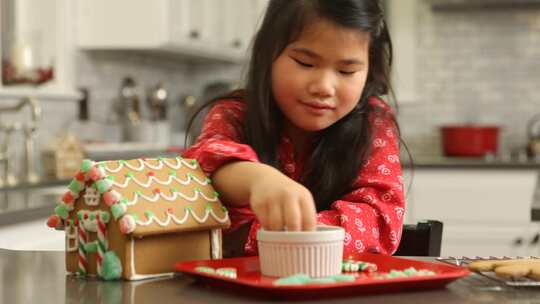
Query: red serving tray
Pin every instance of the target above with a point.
(249, 279)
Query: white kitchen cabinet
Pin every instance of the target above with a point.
(37, 34)
(211, 29)
(484, 211)
(402, 22)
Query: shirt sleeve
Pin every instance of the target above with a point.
(372, 214)
(220, 138)
(220, 143)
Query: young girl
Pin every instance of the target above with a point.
(309, 141)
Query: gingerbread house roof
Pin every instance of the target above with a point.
(149, 196)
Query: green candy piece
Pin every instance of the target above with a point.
(321, 281)
(297, 279)
(205, 269)
(343, 278)
(161, 158)
(105, 217)
(208, 180)
(172, 173)
(216, 195)
(75, 186)
(194, 162)
(122, 162)
(410, 271)
(117, 211)
(86, 165)
(129, 175)
(62, 211)
(198, 190)
(92, 216)
(173, 190)
(135, 216)
(149, 214)
(112, 268)
(90, 247)
(102, 186)
(124, 201)
(111, 178)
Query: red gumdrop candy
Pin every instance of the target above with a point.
(53, 221)
(67, 198)
(80, 177)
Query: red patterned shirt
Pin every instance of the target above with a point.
(371, 214)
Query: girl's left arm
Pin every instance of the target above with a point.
(372, 214)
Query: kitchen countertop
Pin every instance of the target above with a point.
(441, 162)
(21, 204)
(39, 277)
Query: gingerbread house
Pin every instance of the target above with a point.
(62, 157)
(135, 219)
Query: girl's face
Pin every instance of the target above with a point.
(319, 78)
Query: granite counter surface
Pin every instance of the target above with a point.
(39, 277)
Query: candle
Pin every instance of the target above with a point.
(22, 57)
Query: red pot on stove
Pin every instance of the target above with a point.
(470, 140)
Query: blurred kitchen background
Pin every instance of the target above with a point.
(110, 79)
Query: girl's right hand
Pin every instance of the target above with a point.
(281, 203)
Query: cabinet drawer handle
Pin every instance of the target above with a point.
(237, 43)
(194, 34)
(535, 239)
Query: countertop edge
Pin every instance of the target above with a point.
(24, 215)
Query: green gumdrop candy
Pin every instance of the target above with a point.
(86, 165)
(112, 268)
(117, 211)
(62, 211)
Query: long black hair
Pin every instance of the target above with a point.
(342, 148)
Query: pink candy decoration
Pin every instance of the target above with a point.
(127, 224)
(111, 197)
(95, 173)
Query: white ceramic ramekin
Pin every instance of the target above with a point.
(315, 253)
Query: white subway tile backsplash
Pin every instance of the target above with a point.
(480, 66)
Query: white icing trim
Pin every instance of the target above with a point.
(153, 179)
(172, 217)
(215, 243)
(144, 163)
(171, 198)
(134, 275)
(91, 225)
(72, 234)
(91, 196)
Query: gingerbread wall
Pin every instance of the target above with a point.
(159, 253)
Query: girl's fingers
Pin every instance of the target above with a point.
(309, 214)
(275, 216)
(292, 215)
(261, 211)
